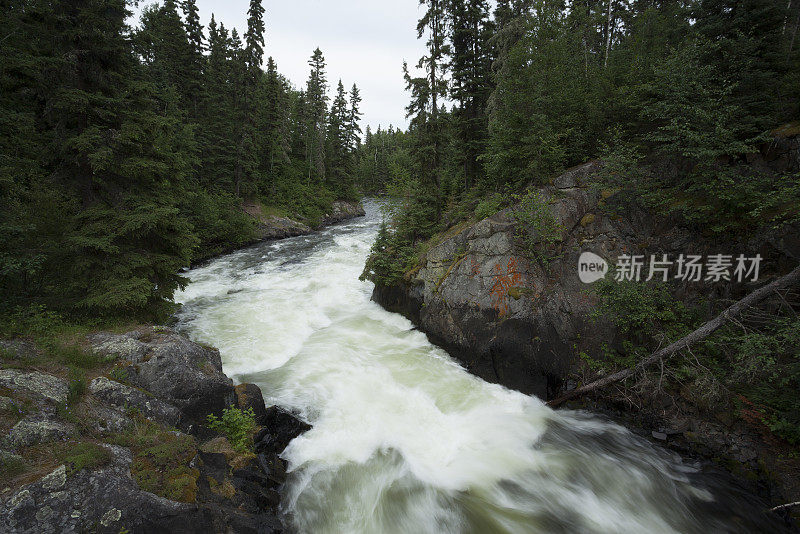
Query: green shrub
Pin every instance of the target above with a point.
(119, 374)
(537, 228)
(237, 425)
(489, 206)
(77, 386)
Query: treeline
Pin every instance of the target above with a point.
(672, 94)
(126, 153)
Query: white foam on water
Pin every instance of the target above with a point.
(404, 440)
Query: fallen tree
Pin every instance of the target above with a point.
(697, 335)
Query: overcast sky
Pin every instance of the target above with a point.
(364, 41)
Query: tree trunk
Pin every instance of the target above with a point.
(698, 335)
(608, 34)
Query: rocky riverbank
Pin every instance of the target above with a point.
(127, 447)
(280, 227)
(524, 319)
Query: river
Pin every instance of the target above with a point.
(404, 440)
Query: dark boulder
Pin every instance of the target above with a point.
(280, 427)
(173, 369)
(249, 396)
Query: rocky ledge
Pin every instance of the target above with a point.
(135, 454)
(277, 227)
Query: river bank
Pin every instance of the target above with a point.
(127, 446)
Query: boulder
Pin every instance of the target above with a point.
(124, 396)
(342, 210)
(249, 396)
(110, 419)
(33, 431)
(47, 386)
(173, 369)
(279, 428)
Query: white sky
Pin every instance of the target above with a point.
(363, 41)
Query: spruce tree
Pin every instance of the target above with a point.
(316, 100)
(353, 118)
(470, 68)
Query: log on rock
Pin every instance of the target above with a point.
(698, 335)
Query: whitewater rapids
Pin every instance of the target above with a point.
(404, 440)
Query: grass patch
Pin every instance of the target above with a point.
(161, 460)
(85, 455)
(10, 467)
(119, 374)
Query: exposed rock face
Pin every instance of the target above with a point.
(249, 396)
(31, 431)
(123, 396)
(277, 227)
(46, 386)
(517, 320)
(109, 501)
(173, 369)
(341, 210)
(280, 227)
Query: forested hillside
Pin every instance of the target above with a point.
(672, 95)
(620, 127)
(126, 152)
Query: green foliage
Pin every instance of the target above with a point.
(762, 364)
(536, 227)
(645, 314)
(120, 167)
(753, 364)
(119, 374)
(83, 455)
(161, 460)
(237, 425)
(11, 466)
(489, 206)
(389, 258)
(77, 386)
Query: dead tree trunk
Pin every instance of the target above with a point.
(698, 335)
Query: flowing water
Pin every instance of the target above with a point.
(404, 440)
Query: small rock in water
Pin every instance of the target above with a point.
(660, 435)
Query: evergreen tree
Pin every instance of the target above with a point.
(316, 100)
(336, 150)
(122, 151)
(194, 32)
(276, 126)
(470, 68)
(353, 118)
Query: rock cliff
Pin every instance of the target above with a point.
(521, 319)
